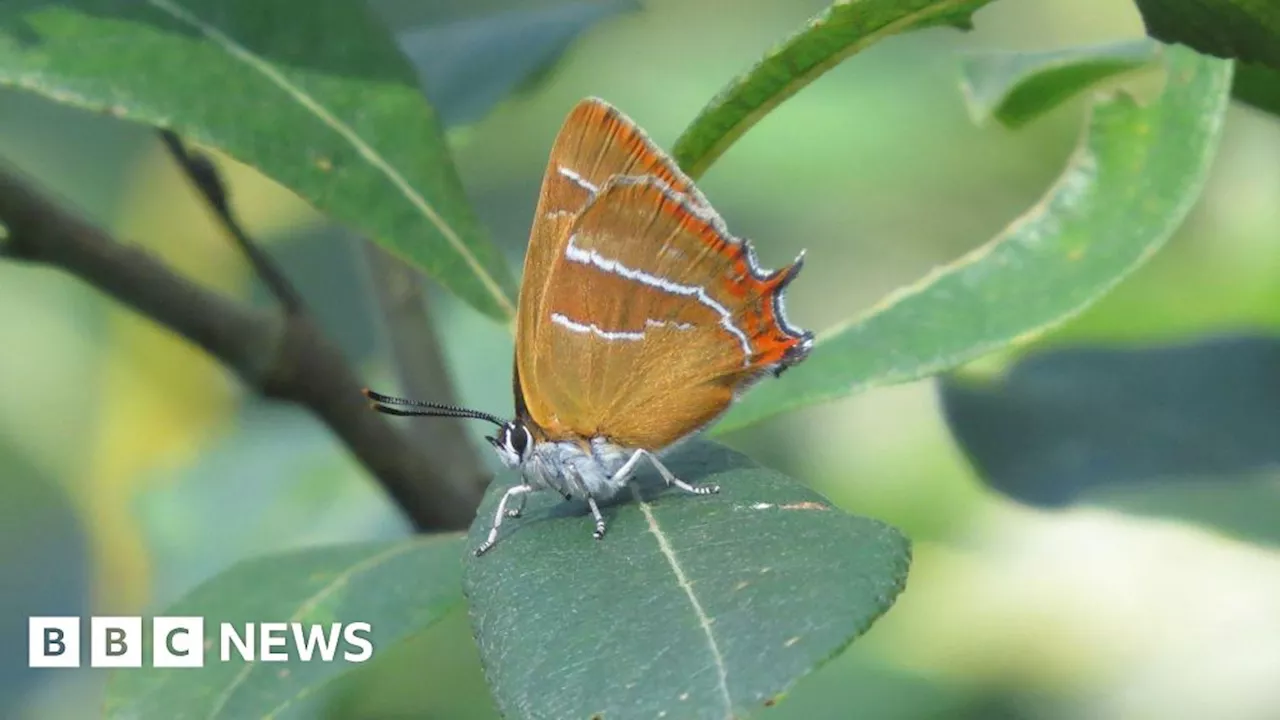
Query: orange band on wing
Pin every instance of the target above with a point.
(655, 230)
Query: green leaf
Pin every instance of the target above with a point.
(1132, 180)
(1258, 86)
(470, 62)
(47, 553)
(1017, 87)
(1247, 30)
(1062, 422)
(434, 674)
(689, 607)
(342, 123)
(1189, 430)
(399, 589)
(841, 30)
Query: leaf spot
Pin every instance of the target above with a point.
(807, 505)
(791, 642)
(803, 505)
(741, 586)
(684, 696)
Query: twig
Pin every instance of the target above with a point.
(421, 366)
(204, 175)
(282, 356)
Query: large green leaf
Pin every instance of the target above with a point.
(844, 28)
(339, 119)
(399, 589)
(1062, 422)
(1247, 30)
(690, 607)
(1132, 180)
(1189, 430)
(1017, 87)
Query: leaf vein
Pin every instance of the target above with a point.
(722, 673)
(365, 151)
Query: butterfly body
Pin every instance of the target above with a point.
(572, 469)
(641, 319)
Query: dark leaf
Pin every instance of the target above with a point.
(1062, 425)
(470, 63)
(690, 607)
(1247, 30)
(45, 551)
(1258, 86)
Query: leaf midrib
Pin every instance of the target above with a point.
(364, 149)
(704, 621)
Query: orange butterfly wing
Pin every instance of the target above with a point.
(595, 143)
(640, 317)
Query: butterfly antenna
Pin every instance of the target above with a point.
(387, 405)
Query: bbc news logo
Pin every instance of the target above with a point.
(179, 642)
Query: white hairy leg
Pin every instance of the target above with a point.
(518, 490)
(667, 475)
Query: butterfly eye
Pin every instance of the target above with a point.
(517, 438)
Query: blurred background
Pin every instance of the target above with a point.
(132, 467)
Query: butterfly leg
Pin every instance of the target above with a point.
(518, 490)
(624, 473)
(671, 478)
(595, 512)
(518, 510)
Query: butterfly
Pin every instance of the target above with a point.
(640, 320)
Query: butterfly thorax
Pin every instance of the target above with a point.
(573, 470)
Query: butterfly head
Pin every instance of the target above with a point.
(513, 443)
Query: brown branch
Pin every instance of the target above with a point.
(422, 368)
(282, 356)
